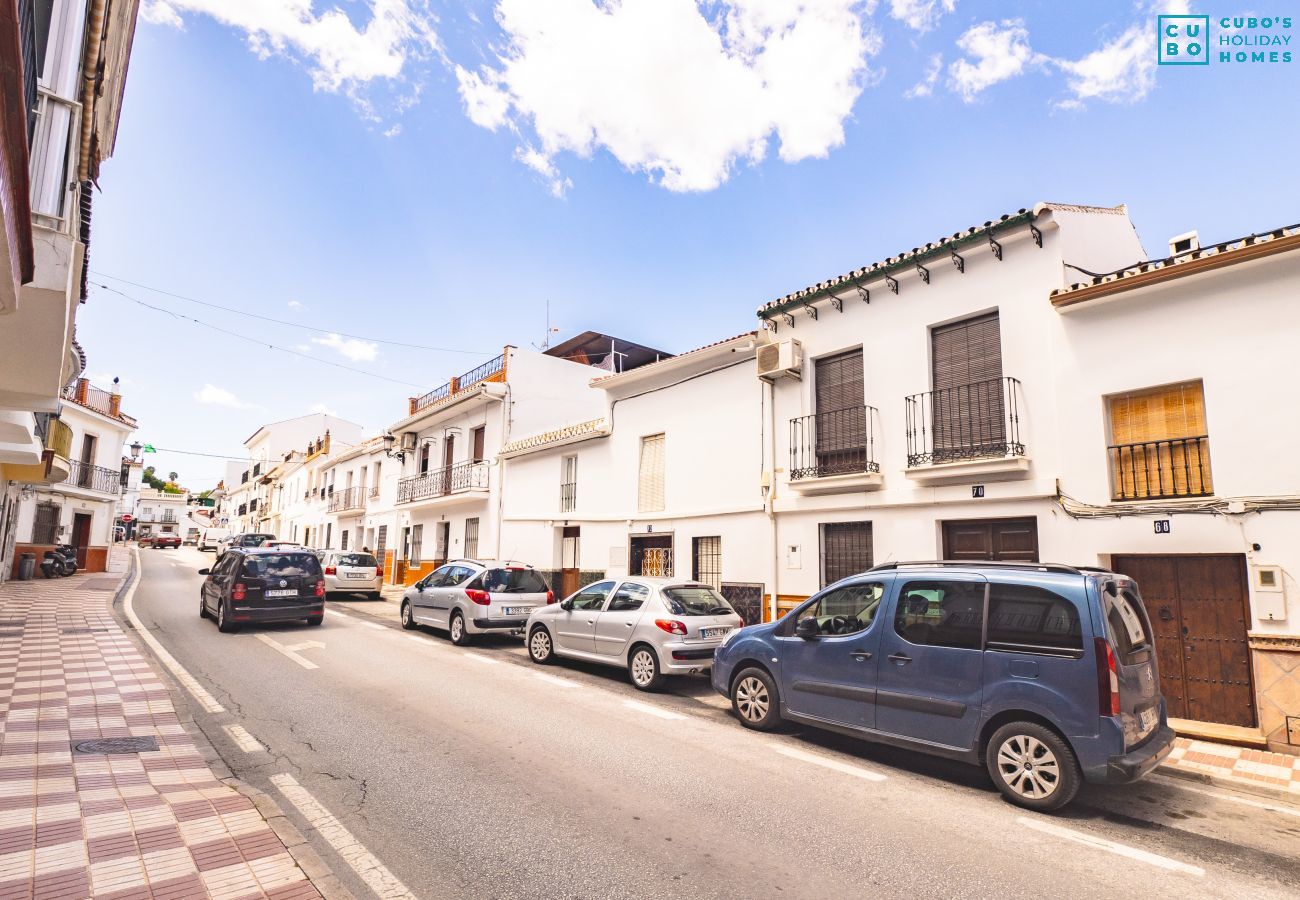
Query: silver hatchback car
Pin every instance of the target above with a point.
(468, 597)
(655, 627)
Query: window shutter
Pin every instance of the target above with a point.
(968, 407)
(966, 352)
(838, 382)
(1158, 443)
(650, 485)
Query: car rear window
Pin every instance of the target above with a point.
(1126, 623)
(696, 600)
(1032, 619)
(281, 565)
(513, 581)
(252, 540)
(357, 559)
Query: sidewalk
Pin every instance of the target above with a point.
(78, 821)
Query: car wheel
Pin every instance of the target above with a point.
(456, 629)
(223, 620)
(755, 700)
(203, 608)
(1032, 766)
(408, 617)
(643, 669)
(315, 620)
(540, 648)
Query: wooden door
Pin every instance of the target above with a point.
(569, 559)
(448, 455)
(1198, 609)
(81, 536)
(1009, 540)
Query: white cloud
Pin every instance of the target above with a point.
(322, 408)
(394, 131)
(296, 305)
(925, 87)
(675, 89)
(338, 54)
(352, 348)
(995, 51)
(921, 15)
(212, 395)
(1122, 70)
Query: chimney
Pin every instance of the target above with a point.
(1184, 243)
(83, 390)
(115, 405)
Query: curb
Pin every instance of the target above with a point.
(318, 872)
(1219, 781)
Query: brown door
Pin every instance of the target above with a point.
(569, 559)
(81, 536)
(477, 440)
(448, 454)
(1197, 606)
(1010, 540)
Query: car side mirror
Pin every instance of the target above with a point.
(807, 628)
(205, 571)
(419, 586)
(567, 605)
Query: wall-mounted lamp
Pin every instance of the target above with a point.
(389, 440)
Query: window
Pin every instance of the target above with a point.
(381, 541)
(592, 597)
(417, 538)
(358, 560)
(513, 581)
(437, 578)
(651, 555)
(650, 484)
(343, 540)
(846, 610)
(424, 458)
(708, 561)
(569, 484)
(1032, 619)
(628, 597)
(1159, 443)
(45, 527)
(471, 538)
(476, 440)
(941, 613)
(329, 533)
(441, 538)
(457, 575)
(845, 550)
(696, 600)
(967, 408)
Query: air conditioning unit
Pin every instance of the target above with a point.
(408, 440)
(780, 359)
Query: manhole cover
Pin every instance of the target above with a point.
(117, 745)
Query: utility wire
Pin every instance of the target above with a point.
(240, 312)
(196, 453)
(251, 340)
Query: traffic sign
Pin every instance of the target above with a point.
(128, 518)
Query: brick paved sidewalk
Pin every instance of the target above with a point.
(1237, 765)
(153, 824)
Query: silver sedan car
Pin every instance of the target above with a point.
(654, 627)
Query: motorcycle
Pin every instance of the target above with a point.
(61, 561)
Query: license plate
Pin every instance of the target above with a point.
(518, 610)
(357, 575)
(1149, 719)
(713, 632)
(292, 593)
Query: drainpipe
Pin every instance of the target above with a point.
(769, 397)
(89, 75)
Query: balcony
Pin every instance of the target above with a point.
(492, 370)
(568, 496)
(459, 479)
(56, 439)
(966, 433)
(348, 499)
(106, 403)
(1161, 470)
(834, 451)
(94, 478)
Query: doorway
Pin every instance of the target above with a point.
(1198, 606)
(81, 536)
(992, 540)
(569, 559)
(651, 555)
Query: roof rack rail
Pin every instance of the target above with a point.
(970, 564)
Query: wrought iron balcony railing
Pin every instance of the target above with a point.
(568, 496)
(970, 421)
(453, 479)
(350, 498)
(1158, 470)
(840, 442)
(492, 370)
(94, 478)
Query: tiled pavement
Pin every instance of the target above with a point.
(145, 825)
(1237, 765)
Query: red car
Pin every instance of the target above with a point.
(159, 541)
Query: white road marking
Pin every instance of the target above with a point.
(376, 625)
(1109, 846)
(190, 683)
(651, 710)
(374, 873)
(291, 650)
(833, 764)
(243, 739)
(1258, 804)
(558, 682)
(478, 657)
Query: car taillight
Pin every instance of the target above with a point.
(480, 597)
(238, 592)
(1107, 679)
(672, 626)
(330, 570)
(320, 589)
(379, 570)
(550, 596)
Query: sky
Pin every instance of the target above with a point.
(417, 180)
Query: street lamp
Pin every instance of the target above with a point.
(136, 447)
(389, 440)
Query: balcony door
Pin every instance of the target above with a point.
(966, 376)
(448, 454)
(86, 478)
(840, 436)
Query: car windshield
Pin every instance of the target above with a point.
(281, 565)
(696, 600)
(357, 559)
(513, 581)
(252, 540)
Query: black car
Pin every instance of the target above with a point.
(251, 584)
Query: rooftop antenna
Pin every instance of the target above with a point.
(546, 340)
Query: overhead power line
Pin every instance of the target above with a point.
(303, 325)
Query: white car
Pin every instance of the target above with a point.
(348, 572)
(469, 597)
(212, 538)
(654, 627)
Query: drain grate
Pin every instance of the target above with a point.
(117, 745)
(82, 630)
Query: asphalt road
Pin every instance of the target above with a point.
(474, 773)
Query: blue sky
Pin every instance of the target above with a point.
(657, 169)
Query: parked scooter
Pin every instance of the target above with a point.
(61, 561)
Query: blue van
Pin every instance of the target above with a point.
(1044, 674)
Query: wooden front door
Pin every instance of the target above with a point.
(569, 556)
(1010, 540)
(81, 536)
(1198, 610)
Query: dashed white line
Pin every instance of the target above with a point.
(243, 739)
(478, 657)
(376, 625)
(1115, 847)
(651, 710)
(832, 764)
(558, 682)
(374, 873)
